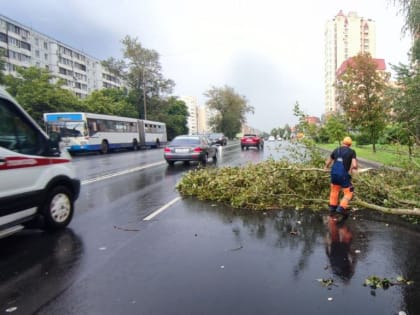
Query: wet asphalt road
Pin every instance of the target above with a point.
(198, 257)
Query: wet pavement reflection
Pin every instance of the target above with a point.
(52, 258)
(291, 249)
(204, 258)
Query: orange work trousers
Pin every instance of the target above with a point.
(334, 194)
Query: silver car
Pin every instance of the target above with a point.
(190, 148)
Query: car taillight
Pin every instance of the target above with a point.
(198, 149)
(167, 149)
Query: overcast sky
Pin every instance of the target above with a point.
(269, 51)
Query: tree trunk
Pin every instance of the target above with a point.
(361, 203)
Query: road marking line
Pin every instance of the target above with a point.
(161, 209)
(128, 171)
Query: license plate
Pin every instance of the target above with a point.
(182, 150)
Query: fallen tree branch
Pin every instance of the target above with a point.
(361, 203)
(280, 184)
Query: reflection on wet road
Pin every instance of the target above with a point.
(203, 258)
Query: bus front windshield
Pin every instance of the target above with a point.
(67, 128)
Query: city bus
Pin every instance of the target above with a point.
(85, 132)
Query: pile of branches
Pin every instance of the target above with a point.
(284, 185)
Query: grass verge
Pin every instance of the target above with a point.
(389, 157)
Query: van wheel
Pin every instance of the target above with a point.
(58, 208)
(104, 147)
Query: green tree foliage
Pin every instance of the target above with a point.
(335, 128)
(230, 110)
(110, 102)
(410, 9)
(174, 113)
(283, 133)
(35, 92)
(309, 130)
(277, 132)
(287, 131)
(361, 94)
(142, 71)
(406, 102)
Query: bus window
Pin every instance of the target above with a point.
(92, 127)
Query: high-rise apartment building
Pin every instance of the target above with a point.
(26, 47)
(345, 37)
(192, 105)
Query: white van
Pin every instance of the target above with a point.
(37, 181)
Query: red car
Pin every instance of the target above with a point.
(252, 140)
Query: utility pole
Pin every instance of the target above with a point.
(144, 95)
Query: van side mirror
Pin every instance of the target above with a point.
(54, 144)
(55, 137)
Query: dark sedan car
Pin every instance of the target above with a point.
(218, 138)
(189, 148)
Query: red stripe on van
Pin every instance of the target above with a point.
(13, 162)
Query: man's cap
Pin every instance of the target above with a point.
(347, 141)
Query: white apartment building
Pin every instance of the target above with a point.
(345, 37)
(26, 47)
(202, 120)
(192, 121)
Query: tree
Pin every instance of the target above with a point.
(110, 102)
(174, 113)
(406, 103)
(410, 9)
(34, 91)
(287, 131)
(142, 71)
(230, 110)
(361, 94)
(304, 127)
(335, 128)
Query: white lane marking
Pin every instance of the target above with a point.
(128, 171)
(161, 209)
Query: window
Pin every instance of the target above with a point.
(46, 56)
(45, 45)
(16, 133)
(3, 37)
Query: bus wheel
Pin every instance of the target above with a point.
(104, 147)
(135, 145)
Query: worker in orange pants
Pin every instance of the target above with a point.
(343, 160)
(344, 202)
